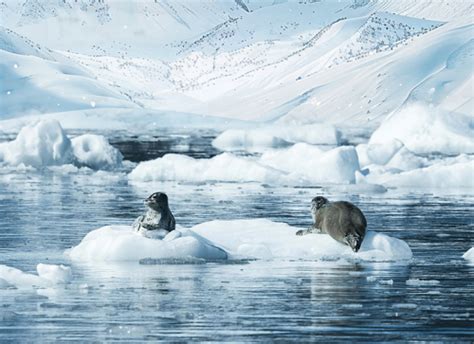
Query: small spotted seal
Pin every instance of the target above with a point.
(158, 216)
(342, 220)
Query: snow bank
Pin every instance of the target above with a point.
(46, 144)
(425, 130)
(469, 255)
(337, 165)
(257, 238)
(225, 167)
(95, 151)
(121, 243)
(48, 275)
(276, 137)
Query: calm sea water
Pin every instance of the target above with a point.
(44, 213)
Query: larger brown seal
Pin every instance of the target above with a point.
(342, 220)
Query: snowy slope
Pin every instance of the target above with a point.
(36, 80)
(349, 63)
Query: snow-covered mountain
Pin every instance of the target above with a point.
(299, 62)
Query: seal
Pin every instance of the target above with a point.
(342, 220)
(158, 217)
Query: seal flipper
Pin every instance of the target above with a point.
(354, 241)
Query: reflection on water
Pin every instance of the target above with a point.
(42, 214)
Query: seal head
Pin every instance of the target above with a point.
(157, 201)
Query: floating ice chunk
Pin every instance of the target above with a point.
(337, 165)
(4, 284)
(225, 167)
(250, 140)
(381, 153)
(40, 144)
(419, 282)
(20, 279)
(94, 151)
(469, 255)
(427, 130)
(249, 239)
(57, 274)
(262, 238)
(457, 172)
(46, 144)
(276, 136)
(121, 243)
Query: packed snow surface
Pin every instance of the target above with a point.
(48, 275)
(256, 238)
(46, 144)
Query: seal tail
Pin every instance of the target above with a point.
(354, 241)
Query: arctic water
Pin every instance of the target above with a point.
(43, 213)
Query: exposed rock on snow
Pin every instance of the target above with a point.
(258, 238)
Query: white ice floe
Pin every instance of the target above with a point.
(256, 238)
(420, 282)
(57, 274)
(46, 144)
(427, 130)
(311, 163)
(225, 167)
(469, 255)
(95, 151)
(48, 276)
(299, 164)
(275, 136)
(445, 173)
(121, 243)
(42, 144)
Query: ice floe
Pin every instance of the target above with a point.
(311, 163)
(48, 276)
(46, 144)
(275, 136)
(443, 173)
(95, 151)
(423, 129)
(225, 167)
(122, 243)
(232, 239)
(469, 255)
(299, 164)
